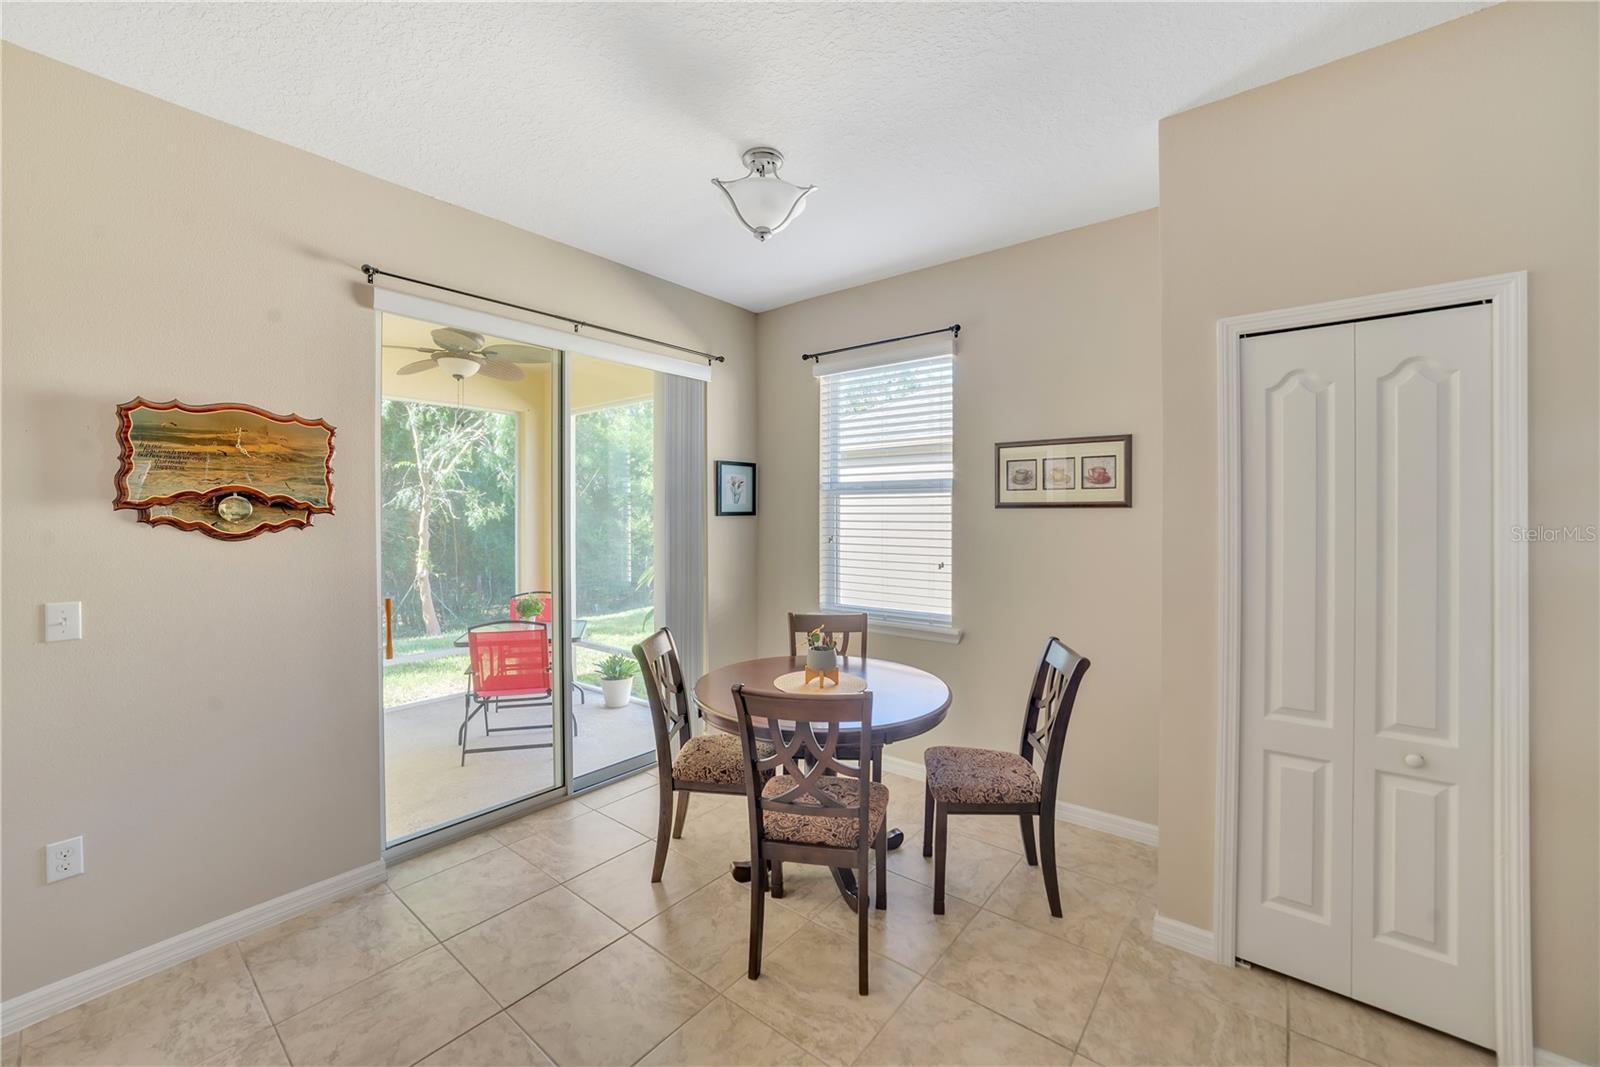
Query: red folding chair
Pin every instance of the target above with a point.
(545, 614)
(508, 666)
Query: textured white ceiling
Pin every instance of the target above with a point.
(933, 131)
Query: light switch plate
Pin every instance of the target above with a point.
(64, 621)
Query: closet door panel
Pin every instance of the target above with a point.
(1422, 901)
(1297, 614)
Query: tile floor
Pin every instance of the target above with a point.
(544, 941)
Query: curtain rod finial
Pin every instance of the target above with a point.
(367, 269)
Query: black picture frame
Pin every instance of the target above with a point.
(1116, 449)
(717, 484)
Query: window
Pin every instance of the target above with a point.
(886, 477)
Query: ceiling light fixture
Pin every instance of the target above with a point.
(458, 367)
(764, 202)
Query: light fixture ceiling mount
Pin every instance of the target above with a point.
(761, 200)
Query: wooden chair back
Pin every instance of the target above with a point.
(669, 698)
(1050, 702)
(791, 723)
(842, 625)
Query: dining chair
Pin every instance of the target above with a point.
(546, 612)
(508, 666)
(982, 781)
(840, 624)
(710, 763)
(820, 809)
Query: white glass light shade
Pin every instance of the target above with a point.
(765, 205)
(761, 200)
(458, 367)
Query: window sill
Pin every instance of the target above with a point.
(948, 635)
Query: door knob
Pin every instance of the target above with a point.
(1413, 760)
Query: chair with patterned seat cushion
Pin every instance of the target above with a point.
(980, 776)
(712, 763)
(820, 809)
(983, 781)
(830, 833)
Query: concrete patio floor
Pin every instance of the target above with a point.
(426, 785)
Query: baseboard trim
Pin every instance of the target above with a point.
(1180, 935)
(1545, 1058)
(905, 768)
(1146, 833)
(1090, 818)
(29, 1008)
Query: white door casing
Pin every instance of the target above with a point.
(1504, 664)
(1424, 907)
(1297, 653)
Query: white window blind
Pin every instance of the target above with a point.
(886, 477)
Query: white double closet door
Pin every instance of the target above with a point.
(1365, 840)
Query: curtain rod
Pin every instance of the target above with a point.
(955, 329)
(577, 324)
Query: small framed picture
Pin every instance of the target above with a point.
(736, 487)
(1021, 475)
(1064, 472)
(1099, 472)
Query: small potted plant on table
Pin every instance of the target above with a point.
(529, 608)
(616, 679)
(822, 658)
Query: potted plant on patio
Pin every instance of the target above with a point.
(528, 608)
(616, 679)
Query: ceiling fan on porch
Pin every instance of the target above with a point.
(462, 353)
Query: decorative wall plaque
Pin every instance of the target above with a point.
(230, 471)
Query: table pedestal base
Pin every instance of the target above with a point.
(843, 877)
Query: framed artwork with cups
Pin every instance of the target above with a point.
(1065, 472)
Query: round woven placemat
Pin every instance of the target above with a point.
(794, 682)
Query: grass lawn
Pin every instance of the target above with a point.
(404, 683)
(406, 646)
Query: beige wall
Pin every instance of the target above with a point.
(1060, 337)
(215, 736)
(1463, 151)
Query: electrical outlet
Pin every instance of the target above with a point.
(63, 859)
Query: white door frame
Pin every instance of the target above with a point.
(1508, 294)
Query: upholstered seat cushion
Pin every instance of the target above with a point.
(980, 776)
(715, 759)
(828, 830)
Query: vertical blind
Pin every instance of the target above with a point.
(680, 519)
(885, 490)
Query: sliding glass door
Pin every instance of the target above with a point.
(541, 512)
(636, 471)
(471, 674)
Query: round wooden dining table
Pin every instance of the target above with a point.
(906, 701)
